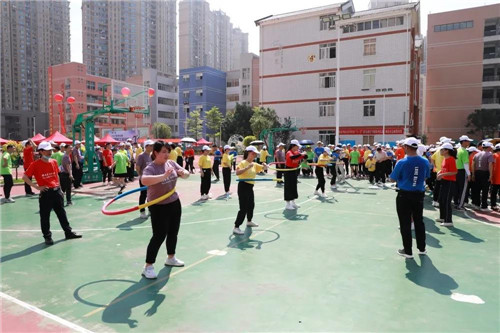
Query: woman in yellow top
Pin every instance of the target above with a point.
(246, 169)
(226, 169)
(263, 156)
(205, 164)
(370, 165)
(173, 153)
(323, 160)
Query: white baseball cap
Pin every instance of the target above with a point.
(472, 149)
(412, 142)
(447, 145)
(370, 155)
(487, 144)
(149, 143)
(295, 142)
(497, 146)
(44, 145)
(227, 147)
(327, 150)
(205, 147)
(319, 143)
(264, 147)
(252, 149)
(464, 138)
(77, 142)
(281, 144)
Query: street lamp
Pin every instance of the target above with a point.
(384, 90)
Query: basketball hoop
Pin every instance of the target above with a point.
(134, 108)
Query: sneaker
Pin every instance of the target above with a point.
(412, 226)
(10, 200)
(251, 224)
(73, 235)
(237, 231)
(435, 204)
(228, 195)
(422, 253)
(495, 208)
(49, 241)
(174, 262)
(333, 187)
(69, 203)
(294, 204)
(440, 220)
(204, 197)
(447, 224)
(402, 253)
(323, 195)
(143, 215)
(316, 193)
(289, 206)
(30, 194)
(476, 207)
(485, 209)
(121, 189)
(149, 272)
(209, 196)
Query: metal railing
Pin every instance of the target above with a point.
(490, 55)
(491, 78)
(491, 101)
(488, 33)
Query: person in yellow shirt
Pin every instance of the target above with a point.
(205, 165)
(263, 156)
(437, 161)
(370, 165)
(246, 169)
(173, 153)
(323, 160)
(178, 150)
(226, 169)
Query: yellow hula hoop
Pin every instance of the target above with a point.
(155, 201)
(270, 167)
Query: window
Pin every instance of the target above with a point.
(400, 20)
(165, 101)
(368, 25)
(186, 109)
(185, 78)
(327, 51)
(368, 78)
(327, 137)
(368, 139)
(100, 86)
(375, 24)
(361, 26)
(369, 46)
(245, 90)
(327, 109)
(245, 73)
(232, 83)
(232, 98)
(383, 23)
(328, 22)
(454, 26)
(185, 94)
(369, 108)
(199, 92)
(165, 114)
(327, 80)
(199, 76)
(391, 21)
(199, 108)
(90, 85)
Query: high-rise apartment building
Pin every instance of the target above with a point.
(463, 68)
(34, 36)
(120, 38)
(242, 85)
(207, 38)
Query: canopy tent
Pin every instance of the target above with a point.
(3, 141)
(106, 139)
(202, 142)
(58, 138)
(173, 140)
(38, 138)
(95, 139)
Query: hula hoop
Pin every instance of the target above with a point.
(320, 165)
(260, 180)
(128, 210)
(284, 170)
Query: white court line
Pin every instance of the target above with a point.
(142, 227)
(473, 218)
(45, 314)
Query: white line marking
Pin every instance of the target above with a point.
(473, 218)
(466, 298)
(55, 318)
(217, 252)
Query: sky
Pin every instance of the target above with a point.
(243, 13)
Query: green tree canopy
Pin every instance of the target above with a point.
(263, 118)
(237, 122)
(162, 131)
(484, 122)
(248, 139)
(213, 118)
(195, 124)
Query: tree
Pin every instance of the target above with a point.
(263, 119)
(248, 139)
(285, 135)
(213, 119)
(237, 122)
(195, 124)
(485, 122)
(161, 131)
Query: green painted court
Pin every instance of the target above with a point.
(330, 266)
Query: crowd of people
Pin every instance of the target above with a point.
(459, 176)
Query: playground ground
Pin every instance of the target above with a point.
(329, 266)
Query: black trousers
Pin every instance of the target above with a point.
(380, 172)
(431, 181)
(321, 178)
(279, 174)
(52, 199)
(65, 185)
(142, 197)
(215, 168)
(8, 183)
(107, 172)
(290, 190)
(495, 190)
(346, 165)
(411, 205)
(189, 164)
(388, 167)
(77, 174)
(461, 188)
(437, 190)
(205, 181)
(226, 176)
(445, 196)
(179, 160)
(27, 188)
(333, 172)
(247, 203)
(371, 175)
(130, 171)
(481, 188)
(165, 221)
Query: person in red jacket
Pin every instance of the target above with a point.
(46, 172)
(28, 158)
(448, 178)
(292, 161)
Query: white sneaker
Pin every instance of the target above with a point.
(316, 193)
(446, 224)
(228, 195)
(435, 204)
(485, 209)
(209, 196)
(323, 195)
(294, 204)
(289, 206)
(149, 272)
(143, 215)
(412, 226)
(251, 224)
(174, 262)
(422, 253)
(333, 187)
(10, 200)
(204, 197)
(237, 231)
(440, 220)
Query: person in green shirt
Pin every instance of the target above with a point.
(120, 164)
(57, 154)
(354, 157)
(463, 172)
(6, 172)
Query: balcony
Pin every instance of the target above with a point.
(491, 101)
(490, 78)
(491, 55)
